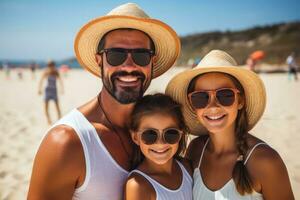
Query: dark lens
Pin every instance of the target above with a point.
(141, 57)
(225, 97)
(199, 99)
(149, 136)
(172, 136)
(116, 56)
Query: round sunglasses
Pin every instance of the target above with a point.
(117, 56)
(170, 135)
(223, 96)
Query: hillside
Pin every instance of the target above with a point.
(278, 41)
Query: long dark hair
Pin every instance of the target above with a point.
(240, 175)
(152, 104)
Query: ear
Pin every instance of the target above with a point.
(154, 59)
(98, 59)
(134, 137)
(241, 102)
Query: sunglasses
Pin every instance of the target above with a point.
(170, 135)
(223, 96)
(117, 56)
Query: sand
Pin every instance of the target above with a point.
(23, 124)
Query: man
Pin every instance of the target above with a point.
(86, 155)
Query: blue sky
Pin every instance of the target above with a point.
(44, 29)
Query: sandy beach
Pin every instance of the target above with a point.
(23, 123)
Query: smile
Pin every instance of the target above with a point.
(215, 118)
(128, 81)
(160, 151)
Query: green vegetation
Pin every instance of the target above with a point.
(278, 41)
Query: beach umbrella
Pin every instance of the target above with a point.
(257, 55)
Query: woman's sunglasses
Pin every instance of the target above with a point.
(117, 56)
(170, 135)
(223, 96)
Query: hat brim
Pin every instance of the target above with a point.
(167, 44)
(253, 86)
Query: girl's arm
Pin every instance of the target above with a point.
(271, 173)
(137, 188)
(44, 75)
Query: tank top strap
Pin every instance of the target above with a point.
(251, 151)
(184, 171)
(200, 160)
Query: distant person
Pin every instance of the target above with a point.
(32, 68)
(19, 70)
(292, 66)
(6, 69)
(222, 103)
(51, 74)
(159, 131)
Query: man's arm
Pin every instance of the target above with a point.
(58, 166)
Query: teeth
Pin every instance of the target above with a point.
(214, 117)
(128, 78)
(160, 151)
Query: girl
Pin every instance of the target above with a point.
(157, 128)
(226, 102)
(51, 74)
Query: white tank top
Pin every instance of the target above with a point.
(184, 192)
(227, 192)
(104, 177)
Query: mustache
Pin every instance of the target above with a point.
(125, 73)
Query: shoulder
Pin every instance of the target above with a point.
(61, 145)
(263, 154)
(195, 148)
(59, 164)
(137, 187)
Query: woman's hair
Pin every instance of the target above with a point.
(240, 175)
(156, 104)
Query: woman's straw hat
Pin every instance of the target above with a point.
(166, 41)
(219, 61)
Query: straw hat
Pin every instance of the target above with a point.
(166, 41)
(219, 61)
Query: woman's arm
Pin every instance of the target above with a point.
(268, 167)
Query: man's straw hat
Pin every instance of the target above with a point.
(166, 41)
(219, 61)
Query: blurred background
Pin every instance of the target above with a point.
(260, 35)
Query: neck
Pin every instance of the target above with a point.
(121, 112)
(223, 142)
(166, 168)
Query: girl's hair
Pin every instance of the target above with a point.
(153, 104)
(240, 175)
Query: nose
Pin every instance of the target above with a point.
(160, 140)
(129, 63)
(213, 102)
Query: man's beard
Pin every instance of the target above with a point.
(124, 95)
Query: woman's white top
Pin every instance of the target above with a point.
(227, 192)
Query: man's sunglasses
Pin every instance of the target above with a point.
(170, 135)
(117, 56)
(223, 96)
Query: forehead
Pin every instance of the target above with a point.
(125, 38)
(212, 81)
(158, 121)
